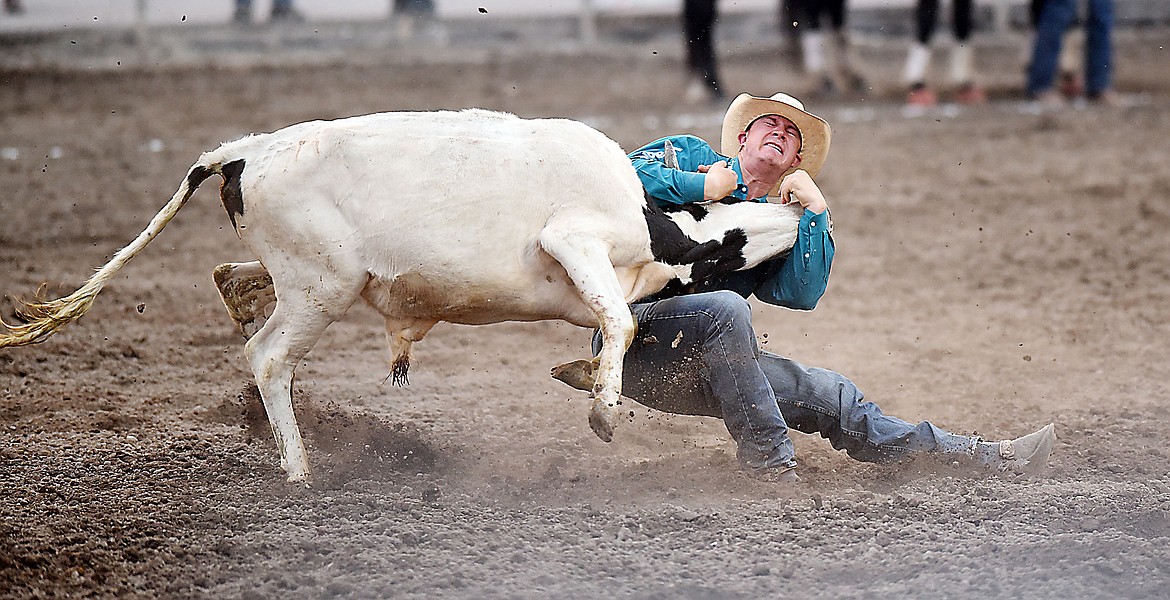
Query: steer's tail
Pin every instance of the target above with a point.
(42, 319)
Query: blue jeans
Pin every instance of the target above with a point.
(1055, 18)
(697, 355)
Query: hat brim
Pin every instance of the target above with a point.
(814, 131)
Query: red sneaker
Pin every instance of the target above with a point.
(971, 94)
(920, 95)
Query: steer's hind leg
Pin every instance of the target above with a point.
(586, 260)
(305, 309)
(247, 292)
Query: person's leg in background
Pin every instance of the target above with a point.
(812, 43)
(284, 12)
(847, 62)
(968, 90)
(243, 12)
(698, 32)
(1099, 52)
(1055, 17)
(918, 57)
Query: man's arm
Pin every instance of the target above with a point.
(679, 186)
(801, 277)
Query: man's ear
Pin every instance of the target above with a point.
(742, 137)
(796, 163)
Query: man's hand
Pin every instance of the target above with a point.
(720, 181)
(798, 186)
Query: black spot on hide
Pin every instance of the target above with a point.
(230, 192)
(670, 245)
(716, 258)
(196, 177)
(697, 211)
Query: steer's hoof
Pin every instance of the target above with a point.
(299, 478)
(247, 295)
(602, 419)
(578, 374)
(297, 473)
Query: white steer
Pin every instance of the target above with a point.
(469, 217)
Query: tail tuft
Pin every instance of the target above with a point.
(42, 319)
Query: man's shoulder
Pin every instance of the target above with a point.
(687, 141)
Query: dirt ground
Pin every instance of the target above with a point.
(997, 269)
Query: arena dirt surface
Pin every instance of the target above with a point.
(997, 269)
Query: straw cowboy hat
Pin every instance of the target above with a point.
(814, 131)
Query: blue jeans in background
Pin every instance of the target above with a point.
(697, 355)
(1055, 18)
(277, 5)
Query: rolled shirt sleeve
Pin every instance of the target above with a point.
(802, 277)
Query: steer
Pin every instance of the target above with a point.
(469, 217)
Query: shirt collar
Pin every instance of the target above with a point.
(741, 189)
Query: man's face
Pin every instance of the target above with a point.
(772, 139)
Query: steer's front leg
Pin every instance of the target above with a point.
(586, 260)
(617, 331)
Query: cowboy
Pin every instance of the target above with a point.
(696, 354)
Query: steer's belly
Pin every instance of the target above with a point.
(478, 301)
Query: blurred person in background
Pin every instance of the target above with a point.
(962, 72)
(420, 8)
(1053, 19)
(1072, 83)
(696, 353)
(699, 36)
(282, 12)
(829, 59)
(417, 18)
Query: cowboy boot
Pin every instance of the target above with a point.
(1027, 455)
